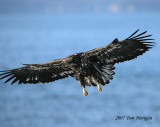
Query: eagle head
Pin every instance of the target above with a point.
(73, 60)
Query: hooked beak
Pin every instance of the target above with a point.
(69, 64)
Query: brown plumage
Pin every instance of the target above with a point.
(94, 67)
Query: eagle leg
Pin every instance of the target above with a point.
(99, 87)
(82, 83)
(85, 92)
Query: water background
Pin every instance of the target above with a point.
(38, 38)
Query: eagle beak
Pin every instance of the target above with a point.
(69, 64)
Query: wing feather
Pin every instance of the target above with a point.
(35, 73)
(133, 34)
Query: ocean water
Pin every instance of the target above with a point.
(38, 38)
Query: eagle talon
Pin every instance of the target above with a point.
(85, 93)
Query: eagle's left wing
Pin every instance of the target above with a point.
(35, 73)
(120, 51)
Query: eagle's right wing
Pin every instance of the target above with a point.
(35, 73)
(120, 51)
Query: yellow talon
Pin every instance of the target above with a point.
(85, 93)
(99, 87)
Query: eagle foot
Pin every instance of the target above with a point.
(99, 87)
(85, 93)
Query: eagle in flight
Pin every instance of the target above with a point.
(94, 67)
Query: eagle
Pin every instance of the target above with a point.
(91, 68)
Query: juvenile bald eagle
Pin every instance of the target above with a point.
(94, 67)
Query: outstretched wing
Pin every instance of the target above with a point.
(120, 51)
(35, 73)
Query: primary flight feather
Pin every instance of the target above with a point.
(94, 67)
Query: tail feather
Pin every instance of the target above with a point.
(104, 73)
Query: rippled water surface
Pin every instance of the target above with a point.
(35, 38)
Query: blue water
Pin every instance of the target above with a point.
(38, 38)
